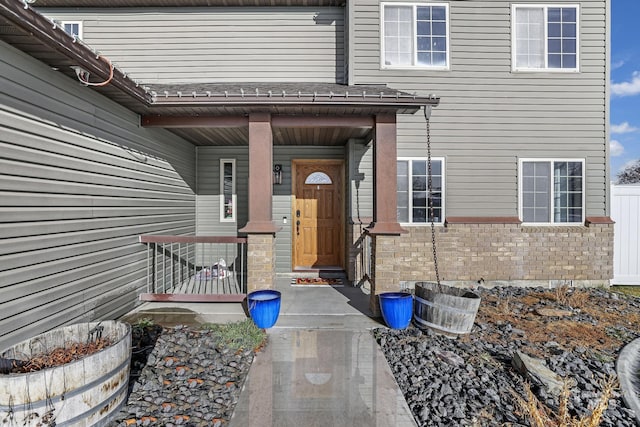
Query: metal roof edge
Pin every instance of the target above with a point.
(46, 31)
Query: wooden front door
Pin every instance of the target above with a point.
(318, 226)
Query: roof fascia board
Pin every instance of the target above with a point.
(399, 101)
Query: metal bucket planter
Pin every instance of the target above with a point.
(396, 308)
(450, 311)
(85, 392)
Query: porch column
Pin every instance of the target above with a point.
(385, 227)
(260, 228)
(385, 216)
(260, 175)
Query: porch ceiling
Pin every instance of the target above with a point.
(281, 136)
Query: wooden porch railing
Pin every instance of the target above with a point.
(195, 268)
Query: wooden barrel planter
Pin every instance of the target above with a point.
(85, 392)
(450, 311)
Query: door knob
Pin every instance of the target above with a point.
(297, 227)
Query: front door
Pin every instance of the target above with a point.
(318, 226)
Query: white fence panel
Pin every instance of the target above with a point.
(625, 211)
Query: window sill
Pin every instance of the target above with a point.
(413, 68)
(544, 70)
(553, 224)
(483, 220)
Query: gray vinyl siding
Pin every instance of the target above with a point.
(208, 198)
(360, 181)
(489, 116)
(217, 44)
(79, 182)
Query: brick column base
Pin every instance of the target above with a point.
(385, 277)
(261, 262)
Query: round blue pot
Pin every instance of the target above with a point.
(397, 309)
(264, 307)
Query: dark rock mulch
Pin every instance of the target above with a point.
(470, 381)
(188, 379)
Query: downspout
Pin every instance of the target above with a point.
(349, 36)
(607, 108)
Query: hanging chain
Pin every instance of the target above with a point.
(430, 198)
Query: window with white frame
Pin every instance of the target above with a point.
(545, 37)
(227, 190)
(73, 28)
(413, 193)
(415, 35)
(552, 191)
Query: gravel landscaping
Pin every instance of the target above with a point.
(183, 376)
(193, 378)
(471, 380)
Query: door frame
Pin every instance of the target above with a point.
(341, 163)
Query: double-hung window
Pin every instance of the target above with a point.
(73, 28)
(227, 190)
(552, 191)
(545, 37)
(413, 191)
(415, 35)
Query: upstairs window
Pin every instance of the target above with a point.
(552, 191)
(545, 37)
(227, 190)
(415, 35)
(413, 191)
(73, 28)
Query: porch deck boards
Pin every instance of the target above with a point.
(201, 289)
(198, 285)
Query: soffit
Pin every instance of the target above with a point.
(318, 136)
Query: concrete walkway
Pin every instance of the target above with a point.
(322, 366)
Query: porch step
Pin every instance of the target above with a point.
(313, 273)
(191, 314)
(343, 322)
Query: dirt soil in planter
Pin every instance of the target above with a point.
(57, 357)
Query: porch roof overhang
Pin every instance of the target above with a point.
(212, 113)
(311, 113)
(38, 36)
(311, 98)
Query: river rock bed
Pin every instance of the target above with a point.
(189, 379)
(470, 381)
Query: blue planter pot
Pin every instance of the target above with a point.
(397, 309)
(264, 307)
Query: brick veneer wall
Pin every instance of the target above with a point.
(261, 262)
(499, 254)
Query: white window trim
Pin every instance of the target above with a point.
(410, 207)
(79, 23)
(552, 206)
(384, 66)
(233, 185)
(546, 68)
